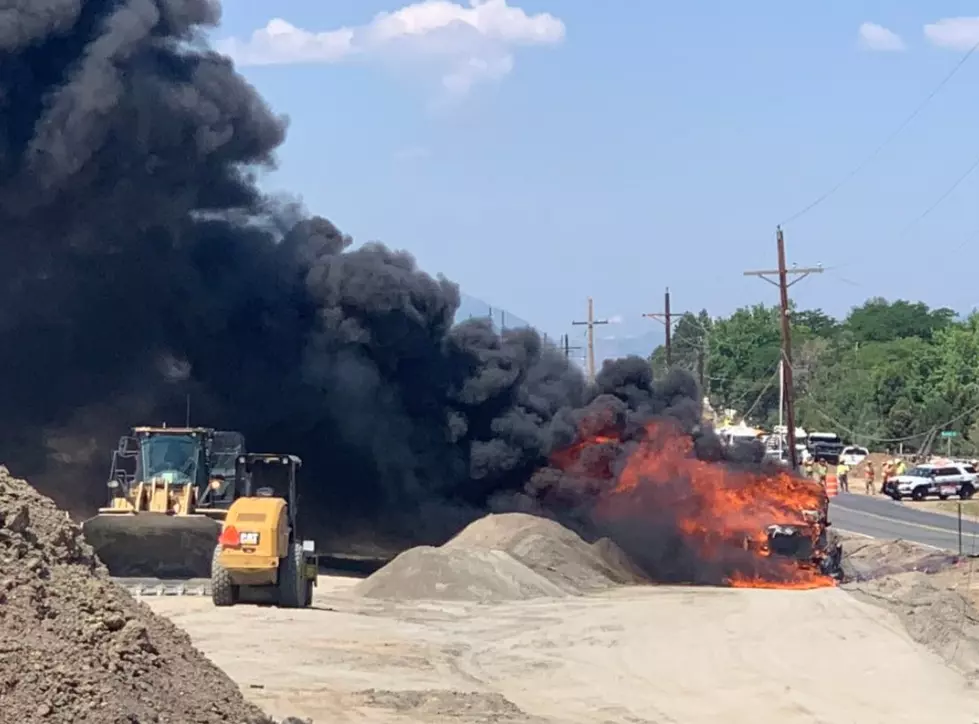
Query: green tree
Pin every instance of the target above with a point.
(888, 371)
(744, 352)
(878, 320)
(689, 345)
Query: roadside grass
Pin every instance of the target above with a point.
(970, 508)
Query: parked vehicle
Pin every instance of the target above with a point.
(853, 455)
(825, 446)
(929, 480)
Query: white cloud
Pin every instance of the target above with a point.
(955, 33)
(464, 44)
(877, 37)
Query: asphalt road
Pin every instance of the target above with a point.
(882, 517)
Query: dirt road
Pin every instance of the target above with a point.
(630, 655)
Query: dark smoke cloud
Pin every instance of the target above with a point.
(140, 264)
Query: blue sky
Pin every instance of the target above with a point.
(541, 151)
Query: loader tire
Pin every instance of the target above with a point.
(223, 591)
(292, 585)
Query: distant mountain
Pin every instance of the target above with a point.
(611, 341)
(471, 307)
(613, 345)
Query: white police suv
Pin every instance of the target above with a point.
(933, 480)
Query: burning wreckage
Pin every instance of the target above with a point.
(808, 544)
(684, 519)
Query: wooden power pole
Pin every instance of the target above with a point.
(667, 320)
(566, 346)
(782, 274)
(591, 322)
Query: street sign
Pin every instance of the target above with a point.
(949, 433)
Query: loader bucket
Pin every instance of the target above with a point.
(153, 545)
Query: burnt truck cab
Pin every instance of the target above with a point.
(808, 543)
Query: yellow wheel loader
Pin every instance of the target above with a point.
(169, 489)
(260, 557)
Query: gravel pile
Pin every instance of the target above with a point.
(74, 647)
(505, 557)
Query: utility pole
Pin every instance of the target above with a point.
(702, 365)
(566, 346)
(667, 320)
(783, 286)
(591, 322)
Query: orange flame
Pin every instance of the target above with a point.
(720, 514)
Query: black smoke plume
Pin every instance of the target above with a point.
(140, 264)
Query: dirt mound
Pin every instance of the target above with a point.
(550, 549)
(510, 556)
(865, 558)
(928, 590)
(934, 614)
(456, 575)
(74, 647)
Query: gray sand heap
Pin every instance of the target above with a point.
(74, 647)
(505, 557)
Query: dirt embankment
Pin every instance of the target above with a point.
(74, 647)
(933, 593)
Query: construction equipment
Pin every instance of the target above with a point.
(169, 488)
(260, 556)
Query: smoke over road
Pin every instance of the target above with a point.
(139, 264)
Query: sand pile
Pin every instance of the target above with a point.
(505, 557)
(935, 614)
(74, 647)
(930, 592)
(866, 558)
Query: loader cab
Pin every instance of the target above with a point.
(200, 457)
(267, 475)
(174, 458)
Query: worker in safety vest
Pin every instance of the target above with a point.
(868, 478)
(900, 468)
(842, 473)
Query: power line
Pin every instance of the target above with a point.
(938, 202)
(874, 438)
(887, 141)
(766, 388)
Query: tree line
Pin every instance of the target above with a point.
(890, 373)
